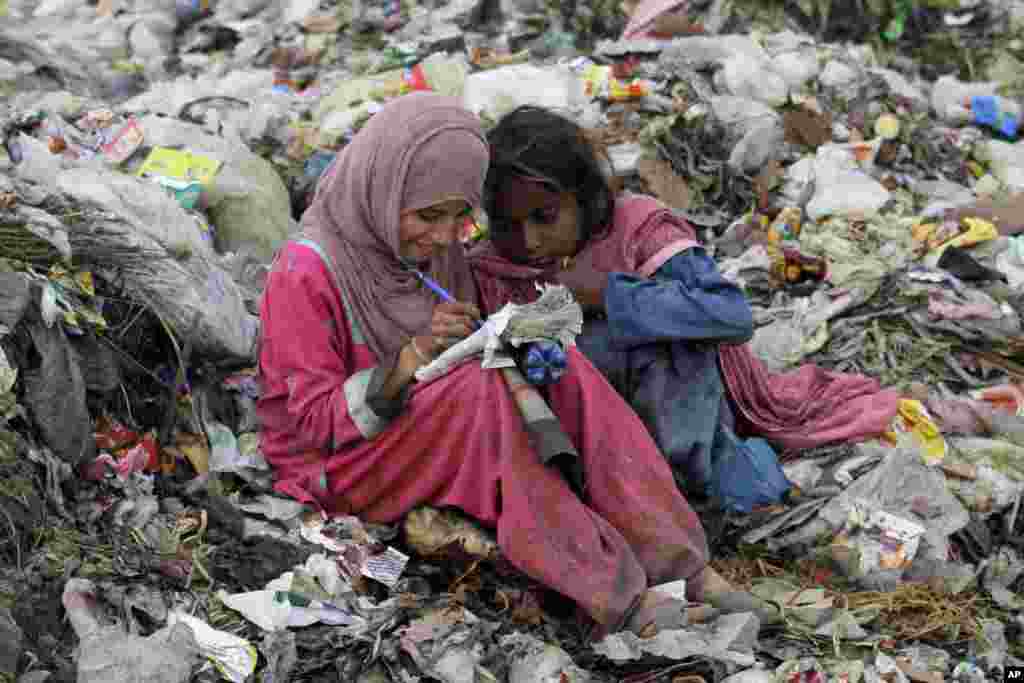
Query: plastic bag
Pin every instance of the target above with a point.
(701, 52)
(248, 201)
(758, 147)
(106, 654)
(951, 96)
(56, 9)
(904, 486)
(195, 292)
(745, 77)
(1011, 263)
(1006, 161)
(842, 187)
(839, 76)
(748, 478)
(148, 208)
(55, 395)
(742, 114)
(796, 68)
(499, 91)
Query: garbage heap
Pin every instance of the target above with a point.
(153, 161)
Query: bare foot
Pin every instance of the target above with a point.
(658, 611)
(713, 584)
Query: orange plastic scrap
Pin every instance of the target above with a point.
(1008, 397)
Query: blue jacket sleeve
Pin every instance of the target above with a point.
(686, 300)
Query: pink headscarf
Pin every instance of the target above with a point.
(419, 150)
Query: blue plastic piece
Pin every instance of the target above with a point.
(544, 363)
(318, 163)
(987, 112)
(985, 109)
(749, 477)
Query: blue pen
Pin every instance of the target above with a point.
(437, 289)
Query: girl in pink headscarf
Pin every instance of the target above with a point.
(347, 429)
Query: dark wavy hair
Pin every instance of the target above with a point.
(537, 142)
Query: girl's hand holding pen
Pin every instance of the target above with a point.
(452, 322)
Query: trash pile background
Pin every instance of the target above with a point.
(154, 158)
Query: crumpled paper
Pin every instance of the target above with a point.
(730, 638)
(555, 316)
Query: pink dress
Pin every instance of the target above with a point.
(460, 441)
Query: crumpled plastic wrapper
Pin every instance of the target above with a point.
(555, 316)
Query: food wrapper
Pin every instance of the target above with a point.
(234, 657)
(124, 142)
(600, 83)
(359, 553)
(179, 165)
(913, 418)
(786, 226)
(874, 540)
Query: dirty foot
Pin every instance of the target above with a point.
(725, 598)
(741, 601)
(658, 612)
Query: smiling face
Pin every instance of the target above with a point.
(535, 222)
(422, 233)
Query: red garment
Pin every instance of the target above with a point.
(803, 408)
(460, 441)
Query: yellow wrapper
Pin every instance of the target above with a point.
(913, 418)
(180, 165)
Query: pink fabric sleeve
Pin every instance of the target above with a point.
(656, 243)
(308, 360)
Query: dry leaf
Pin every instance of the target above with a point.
(805, 127)
(528, 611)
(664, 183)
(648, 631)
(887, 152)
(960, 470)
(322, 23)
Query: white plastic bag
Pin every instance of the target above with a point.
(842, 187)
(499, 91)
(56, 8)
(796, 68)
(747, 77)
(145, 205)
(742, 114)
(758, 147)
(1011, 263)
(1006, 161)
(297, 10)
(838, 75)
(949, 96)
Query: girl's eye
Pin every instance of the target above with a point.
(437, 217)
(429, 216)
(546, 216)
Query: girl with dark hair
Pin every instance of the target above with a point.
(348, 430)
(664, 326)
